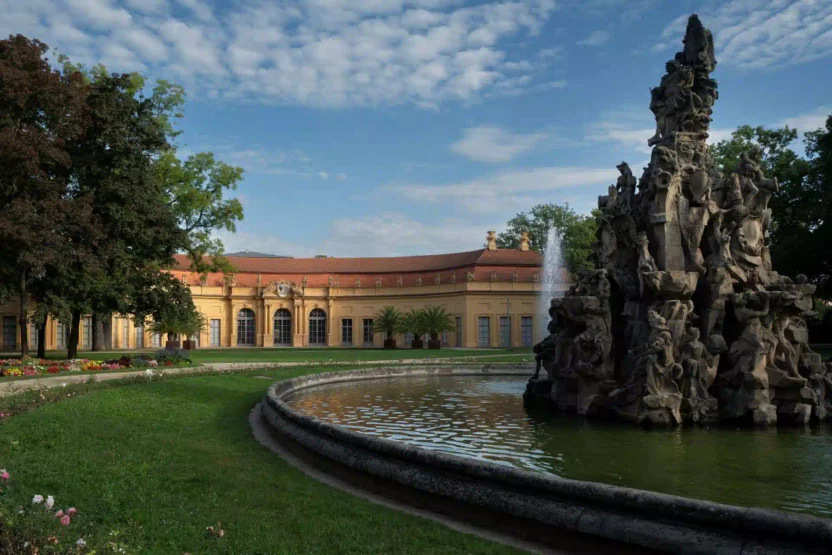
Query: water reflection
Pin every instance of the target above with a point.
(484, 418)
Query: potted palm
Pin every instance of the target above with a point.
(436, 321)
(387, 321)
(413, 322)
(192, 326)
(176, 324)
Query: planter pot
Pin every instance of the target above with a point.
(434, 344)
(417, 344)
(389, 343)
(189, 345)
(172, 345)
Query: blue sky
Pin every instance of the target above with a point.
(391, 127)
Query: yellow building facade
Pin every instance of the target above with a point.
(492, 294)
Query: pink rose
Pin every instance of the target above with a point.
(71, 511)
(59, 514)
(65, 520)
(5, 474)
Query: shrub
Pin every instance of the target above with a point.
(176, 356)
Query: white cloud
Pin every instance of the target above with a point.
(385, 234)
(262, 242)
(811, 121)
(101, 14)
(340, 176)
(757, 34)
(507, 190)
(596, 38)
(396, 234)
(320, 53)
(323, 175)
(494, 145)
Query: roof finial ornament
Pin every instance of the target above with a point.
(491, 240)
(524, 241)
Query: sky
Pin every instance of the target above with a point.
(401, 127)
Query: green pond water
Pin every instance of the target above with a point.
(483, 418)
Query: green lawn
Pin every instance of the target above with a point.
(319, 354)
(151, 465)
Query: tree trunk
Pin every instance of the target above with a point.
(107, 324)
(74, 330)
(42, 339)
(97, 333)
(24, 314)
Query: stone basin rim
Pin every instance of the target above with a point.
(599, 509)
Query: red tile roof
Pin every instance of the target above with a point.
(386, 265)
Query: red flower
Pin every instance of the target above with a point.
(53, 369)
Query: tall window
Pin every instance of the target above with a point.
(317, 327)
(408, 338)
(9, 333)
(346, 331)
(87, 344)
(215, 333)
(61, 339)
(33, 335)
(368, 331)
(484, 331)
(156, 339)
(140, 337)
(526, 331)
(282, 327)
(245, 327)
(445, 338)
(125, 333)
(459, 331)
(505, 331)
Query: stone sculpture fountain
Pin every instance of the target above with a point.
(686, 321)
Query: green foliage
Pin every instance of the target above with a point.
(174, 356)
(41, 110)
(93, 201)
(577, 233)
(387, 321)
(196, 190)
(437, 320)
(413, 322)
(801, 229)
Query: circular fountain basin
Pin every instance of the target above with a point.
(464, 433)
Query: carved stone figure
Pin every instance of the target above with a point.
(399, 281)
(469, 276)
(626, 184)
(687, 321)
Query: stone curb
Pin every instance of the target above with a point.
(639, 517)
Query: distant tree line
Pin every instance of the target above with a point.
(94, 201)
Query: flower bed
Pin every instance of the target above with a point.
(33, 367)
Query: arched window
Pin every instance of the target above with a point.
(317, 327)
(245, 327)
(282, 327)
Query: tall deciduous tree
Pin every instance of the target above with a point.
(577, 232)
(40, 110)
(196, 190)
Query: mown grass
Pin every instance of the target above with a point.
(150, 465)
(320, 354)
